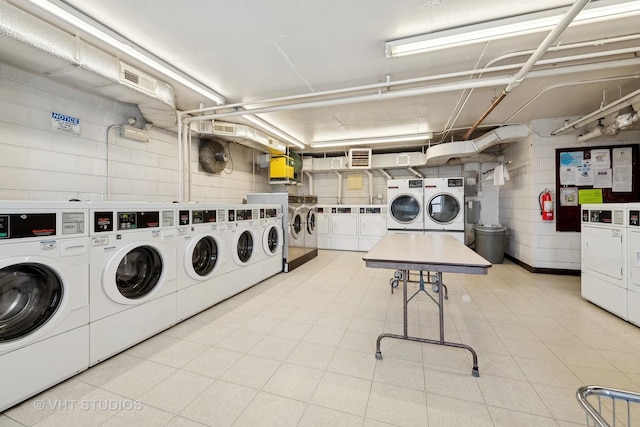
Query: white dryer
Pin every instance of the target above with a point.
(244, 225)
(405, 198)
(604, 256)
(132, 276)
(444, 206)
(324, 221)
(372, 225)
(633, 262)
(44, 296)
(344, 228)
(203, 253)
(269, 252)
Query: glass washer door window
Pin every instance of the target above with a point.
(311, 222)
(204, 256)
(296, 225)
(30, 294)
(245, 246)
(443, 208)
(405, 209)
(272, 239)
(139, 272)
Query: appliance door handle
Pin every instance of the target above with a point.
(587, 248)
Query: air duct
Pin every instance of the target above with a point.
(30, 43)
(242, 134)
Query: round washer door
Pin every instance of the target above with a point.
(243, 247)
(202, 257)
(272, 240)
(30, 296)
(297, 225)
(311, 222)
(443, 208)
(405, 209)
(134, 274)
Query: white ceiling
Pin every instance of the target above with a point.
(252, 50)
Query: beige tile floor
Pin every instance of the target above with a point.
(298, 350)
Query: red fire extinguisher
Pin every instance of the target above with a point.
(546, 205)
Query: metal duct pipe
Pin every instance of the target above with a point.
(310, 177)
(186, 163)
(385, 173)
(415, 172)
(480, 157)
(370, 176)
(339, 187)
(531, 62)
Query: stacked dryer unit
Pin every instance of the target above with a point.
(132, 275)
(604, 256)
(405, 199)
(203, 256)
(372, 225)
(44, 296)
(344, 228)
(633, 262)
(444, 206)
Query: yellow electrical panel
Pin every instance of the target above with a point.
(281, 167)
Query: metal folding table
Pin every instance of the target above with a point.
(426, 252)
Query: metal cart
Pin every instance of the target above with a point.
(608, 407)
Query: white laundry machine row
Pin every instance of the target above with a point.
(633, 262)
(344, 228)
(604, 256)
(203, 258)
(44, 296)
(444, 206)
(132, 275)
(245, 235)
(372, 225)
(405, 198)
(271, 242)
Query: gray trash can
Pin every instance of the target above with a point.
(490, 241)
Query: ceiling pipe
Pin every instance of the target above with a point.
(446, 87)
(339, 200)
(370, 176)
(415, 172)
(385, 173)
(531, 62)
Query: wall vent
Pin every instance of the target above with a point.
(360, 158)
(224, 128)
(137, 79)
(337, 163)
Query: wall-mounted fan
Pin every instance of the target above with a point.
(212, 156)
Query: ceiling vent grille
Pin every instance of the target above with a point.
(137, 79)
(360, 158)
(337, 163)
(224, 128)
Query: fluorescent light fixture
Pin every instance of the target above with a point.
(268, 127)
(379, 140)
(504, 28)
(129, 50)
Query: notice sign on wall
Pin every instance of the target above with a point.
(65, 123)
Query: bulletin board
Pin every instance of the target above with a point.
(606, 174)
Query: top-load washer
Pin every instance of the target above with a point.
(444, 206)
(44, 296)
(344, 228)
(324, 221)
(133, 274)
(405, 198)
(633, 262)
(203, 253)
(604, 256)
(269, 252)
(243, 221)
(372, 225)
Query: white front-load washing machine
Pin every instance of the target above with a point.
(244, 223)
(444, 206)
(202, 258)
(633, 262)
(603, 278)
(405, 198)
(44, 296)
(268, 259)
(133, 275)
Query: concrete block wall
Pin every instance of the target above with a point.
(42, 163)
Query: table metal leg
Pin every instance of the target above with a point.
(441, 296)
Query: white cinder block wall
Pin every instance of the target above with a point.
(41, 163)
(531, 240)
